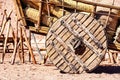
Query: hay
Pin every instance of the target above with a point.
(33, 15)
(54, 10)
(72, 5)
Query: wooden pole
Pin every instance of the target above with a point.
(21, 45)
(6, 39)
(18, 51)
(40, 13)
(19, 10)
(3, 18)
(15, 45)
(5, 22)
(20, 17)
(28, 45)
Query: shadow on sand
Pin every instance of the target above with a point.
(107, 69)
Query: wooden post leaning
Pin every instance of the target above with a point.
(20, 17)
(7, 20)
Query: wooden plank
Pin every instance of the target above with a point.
(60, 63)
(81, 18)
(58, 24)
(42, 30)
(94, 64)
(66, 36)
(89, 53)
(68, 69)
(92, 58)
(59, 29)
(63, 66)
(87, 25)
(57, 59)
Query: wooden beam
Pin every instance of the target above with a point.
(42, 30)
(99, 4)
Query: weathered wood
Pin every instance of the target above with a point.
(114, 46)
(65, 35)
(21, 45)
(72, 5)
(3, 16)
(56, 11)
(99, 4)
(21, 20)
(19, 55)
(5, 21)
(15, 44)
(32, 3)
(33, 15)
(28, 45)
(42, 30)
(19, 10)
(40, 14)
(6, 39)
(4, 24)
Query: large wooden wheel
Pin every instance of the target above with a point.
(76, 43)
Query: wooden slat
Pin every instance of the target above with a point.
(66, 36)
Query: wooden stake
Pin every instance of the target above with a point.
(19, 10)
(28, 45)
(21, 45)
(5, 22)
(3, 18)
(20, 57)
(15, 45)
(111, 57)
(40, 13)
(6, 39)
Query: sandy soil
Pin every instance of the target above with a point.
(29, 71)
(40, 72)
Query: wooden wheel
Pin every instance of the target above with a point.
(76, 43)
